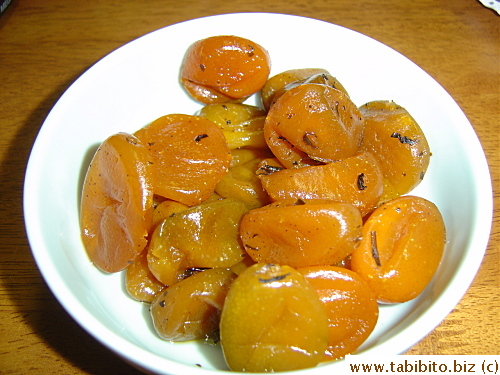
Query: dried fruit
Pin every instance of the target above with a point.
(267, 313)
(402, 246)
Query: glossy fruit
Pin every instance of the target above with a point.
(204, 236)
(350, 304)
(227, 114)
(268, 166)
(402, 246)
(190, 156)
(277, 83)
(328, 80)
(239, 267)
(301, 233)
(224, 68)
(398, 143)
(241, 124)
(357, 180)
(117, 201)
(324, 78)
(272, 320)
(166, 209)
(243, 155)
(243, 184)
(389, 192)
(248, 134)
(140, 283)
(313, 123)
(191, 308)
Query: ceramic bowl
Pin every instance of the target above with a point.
(139, 82)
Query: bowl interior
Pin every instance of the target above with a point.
(139, 82)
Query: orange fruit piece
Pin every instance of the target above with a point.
(357, 180)
(313, 121)
(243, 184)
(140, 283)
(224, 68)
(396, 140)
(272, 321)
(191, 308)
(190, 156)
(203, 236)
(166, 209)
(402, 246)
(301, 233)
(323, 78)
(117, 201)
(241, 124)
(351, 307)
(275, 85)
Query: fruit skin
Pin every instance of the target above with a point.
(191, 308)
(301, 233)
(276, 84)
(224, 68)
(402, 246)
(230, 114)
(117, 202)
(140, 283)
(242, 124)
(311, 124)
(357, 180)
(190, 156)
(166, 209)
(203, 236)
(323, 78)
(397, 142)
(243, 184)
(272, 320)
(351, 307)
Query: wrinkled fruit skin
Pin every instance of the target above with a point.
(117, 203)
(203, 236)
(191, 308)
(140, 282)
(275, 85)
(190, 156)
(357, 180)
(301, 233)
(312, 123)
(242, 183)
(272, 320)
(398, 143)
(323, 78)
(402, 246)
(224, 68)
(241, 124)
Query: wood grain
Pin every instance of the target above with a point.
(45, 46)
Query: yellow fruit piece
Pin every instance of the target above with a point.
(272, 321)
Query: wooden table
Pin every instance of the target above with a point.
(46, 45)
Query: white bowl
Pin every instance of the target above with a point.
(139, 82)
